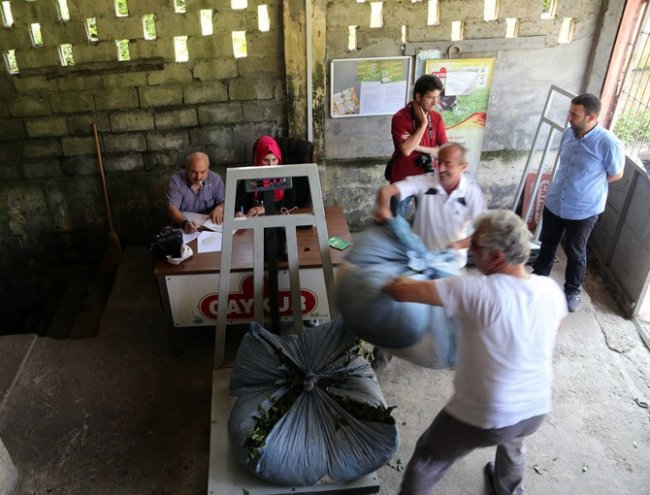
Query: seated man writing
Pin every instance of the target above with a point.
(195, 189)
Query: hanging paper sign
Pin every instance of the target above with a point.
(464, 102)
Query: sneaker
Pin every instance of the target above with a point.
(381, 359)
(572, 302)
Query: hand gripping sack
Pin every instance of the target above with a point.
(308, 408)
(419, 333)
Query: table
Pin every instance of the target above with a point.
(189, 291)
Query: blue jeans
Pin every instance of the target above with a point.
(576, 233)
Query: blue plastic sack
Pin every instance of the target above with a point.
(420, 333)
(317, 438)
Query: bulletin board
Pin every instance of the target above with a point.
(362, 87)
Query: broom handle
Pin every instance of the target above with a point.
(101, 175)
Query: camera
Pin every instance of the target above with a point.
(425, 162)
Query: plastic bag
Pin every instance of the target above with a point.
(419, 333)
(308, 408)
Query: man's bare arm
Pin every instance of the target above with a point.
(406, 289)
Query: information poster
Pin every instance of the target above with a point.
(369, 86)
(464, 103)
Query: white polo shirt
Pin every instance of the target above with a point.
(442, 218)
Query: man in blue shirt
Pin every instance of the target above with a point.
(590, 158)
(195, 189)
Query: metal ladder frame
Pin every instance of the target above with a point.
(554, 126)
(258, 224)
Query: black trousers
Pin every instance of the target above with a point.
(576, 233)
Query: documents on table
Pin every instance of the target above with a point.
(203, 221)
(209, 242)
(187, 238)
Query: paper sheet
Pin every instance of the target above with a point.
(187, 238)
(209, 242)
(203, 221)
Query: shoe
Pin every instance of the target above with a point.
(489, 476)
(572, 302)
(381, 359)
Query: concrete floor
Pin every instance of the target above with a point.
(119, 414)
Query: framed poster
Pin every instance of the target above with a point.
(361, 87)
(464, 104)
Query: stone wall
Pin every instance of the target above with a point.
(51, 208)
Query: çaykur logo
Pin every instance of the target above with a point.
(241, 304)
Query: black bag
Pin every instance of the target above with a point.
(167, 242)
(388, 170)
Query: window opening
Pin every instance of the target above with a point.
(65, 53)
(512, 27)
(376, 9)
(7, 17)
(239, 46)
(549, 8)
(149, 26)
(491, 10)
(456, 30)
(64, 13)
(121, 8)
(433, 14)
(10, 61)
(123, 53)
(566, 31)
(180, 49)
(403, 34)
(352, 38)
(263, 21)
(35, 34)
(206, 22)
(631, 122)
(91, 29)
(238, 4)
(179, 6)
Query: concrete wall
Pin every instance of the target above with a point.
(520, 84)
(51, 207)
(621, 239)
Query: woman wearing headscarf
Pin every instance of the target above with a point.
(266, 153)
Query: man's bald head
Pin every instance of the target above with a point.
(197, 166)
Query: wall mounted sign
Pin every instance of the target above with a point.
(363, 87)
(464, 103)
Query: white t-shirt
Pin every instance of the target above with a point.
(442, 218)
(507, 328)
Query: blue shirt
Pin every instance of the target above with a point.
(181, 195)
(579, 188)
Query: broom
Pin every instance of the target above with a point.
(113, 251)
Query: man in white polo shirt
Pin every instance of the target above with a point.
(447, 203)
(507, 322)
